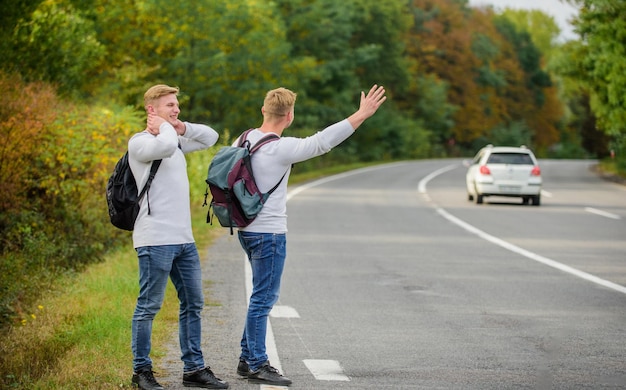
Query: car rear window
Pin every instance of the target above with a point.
(510, 158)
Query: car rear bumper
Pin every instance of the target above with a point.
(503, 189)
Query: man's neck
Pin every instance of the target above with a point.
(276, 128)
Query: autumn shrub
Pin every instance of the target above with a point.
(55, 158)
(26, 110)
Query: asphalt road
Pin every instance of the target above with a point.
(394, 280)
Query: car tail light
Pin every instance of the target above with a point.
(536, 171)
(484, 170)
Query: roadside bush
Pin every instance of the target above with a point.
(26, 110)
(55, 158)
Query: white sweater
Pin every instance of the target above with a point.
(169, 222)
(271, 162)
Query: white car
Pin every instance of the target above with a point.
(504, 171)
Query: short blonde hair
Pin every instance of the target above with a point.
(279, 102)
(157, 91)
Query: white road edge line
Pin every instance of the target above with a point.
(270, 342)
(513, 248)
(421, 187)
(602, 213)
(531, 255)
(338, 176)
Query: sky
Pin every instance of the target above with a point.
(561, 11)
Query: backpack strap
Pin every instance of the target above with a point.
(268, 138)
(153, 169)
(277, 184)
(243, 141)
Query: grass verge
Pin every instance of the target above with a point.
(78, 336)
(610, 170)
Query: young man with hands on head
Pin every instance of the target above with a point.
(163, 237)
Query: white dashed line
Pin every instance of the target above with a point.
(326, 370)
(284, 312)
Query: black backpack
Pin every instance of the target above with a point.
(122, 195)
(236, 198)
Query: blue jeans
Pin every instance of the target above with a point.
(266, 253)
(181, 263)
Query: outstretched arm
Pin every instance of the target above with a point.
(369, 105)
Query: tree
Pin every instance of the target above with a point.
(600, 64)
(541, 27)
(58, 45)
(492, 69)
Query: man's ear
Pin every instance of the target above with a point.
(150, 109)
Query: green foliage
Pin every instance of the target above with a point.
(541, 27)
(58, 45)
(515, 134)
(593, 73)
(601, 61)
(353, 45)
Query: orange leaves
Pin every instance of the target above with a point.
(488, 69)
(26, 109)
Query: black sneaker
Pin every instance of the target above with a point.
(242, 368)
(203, 378)
(268, 375)
(144, 380)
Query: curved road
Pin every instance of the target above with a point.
(394, 280)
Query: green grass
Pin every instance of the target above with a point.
(613, 170)
(79, 336)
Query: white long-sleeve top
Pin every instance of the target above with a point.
(274, 159)
(169, 221)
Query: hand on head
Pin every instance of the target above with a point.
(153, 123)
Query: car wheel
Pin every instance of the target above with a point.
(525, 199)
(470, 197)
(479, 199)
(536, 200)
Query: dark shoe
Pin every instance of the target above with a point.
(268, 375)
(144, 380)
(203, 378)
(242, 368)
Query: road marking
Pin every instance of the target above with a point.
(326, 370)
(421, 187)
(513, 248)
(338, 176)
(529, 254)
(602, 213)
(284, 312)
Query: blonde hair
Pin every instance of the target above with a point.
(157, 91)
(279, 102)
